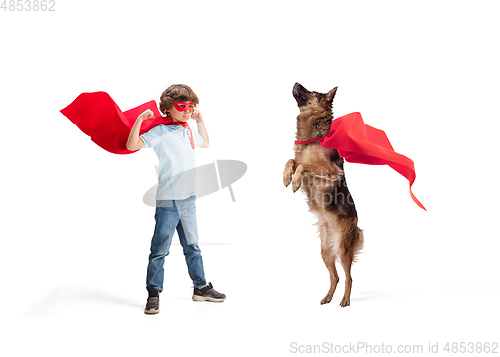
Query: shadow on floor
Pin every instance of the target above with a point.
(64, 298)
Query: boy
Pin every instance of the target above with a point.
(174, 145)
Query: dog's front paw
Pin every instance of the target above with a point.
(297, 178)
(287, 177)
(288, 172)
(296, 182)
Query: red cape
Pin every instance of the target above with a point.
(98, 116)
(360, 143)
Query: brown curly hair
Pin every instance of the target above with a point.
(177, 93)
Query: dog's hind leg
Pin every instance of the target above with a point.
(329, 246)
(351, 244)
(329, 258)
(346, 260)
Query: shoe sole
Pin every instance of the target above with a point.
(151, 312)
(206, 298)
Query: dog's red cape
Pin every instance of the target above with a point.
(360, 143)
(98, 116)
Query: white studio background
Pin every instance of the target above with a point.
(75, 234)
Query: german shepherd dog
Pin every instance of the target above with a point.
(319, 172)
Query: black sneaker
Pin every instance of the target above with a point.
(153, 304)
(208, 293)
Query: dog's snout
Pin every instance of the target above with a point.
(300, 94)
(299, 87)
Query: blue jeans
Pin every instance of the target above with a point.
(171, 215)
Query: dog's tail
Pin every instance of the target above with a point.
(353, 239)
(359, 244)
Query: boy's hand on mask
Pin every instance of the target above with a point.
(146, 115)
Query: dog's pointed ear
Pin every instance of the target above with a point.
(331, 94)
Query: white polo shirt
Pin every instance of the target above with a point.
(172, 144)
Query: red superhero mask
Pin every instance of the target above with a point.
(183, 106)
